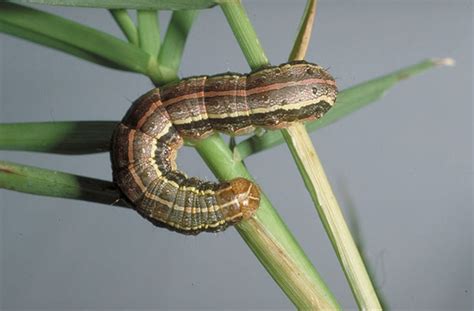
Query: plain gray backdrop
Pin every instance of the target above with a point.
(402, 166)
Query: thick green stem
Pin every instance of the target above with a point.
(74, 137)
(39, 181)
(318, 186)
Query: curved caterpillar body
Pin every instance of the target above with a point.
(145, 143)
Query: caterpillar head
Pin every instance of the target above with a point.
(296, 91)
(239, 199)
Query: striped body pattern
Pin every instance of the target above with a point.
(145, 143)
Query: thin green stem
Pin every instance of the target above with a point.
(318, 186)
(148, 32)
(126, 24)
(175, 38)
(304, 34)
(71, 37)
(149, 42)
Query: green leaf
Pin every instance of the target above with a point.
(173, 44)
(129, 4)
(33, 180)
(79, 137)
(348, 101)
(71, 37)
(55, 44)
(126, 25)
(245, 34)
(149, 32)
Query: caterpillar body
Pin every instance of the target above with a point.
(145, 143)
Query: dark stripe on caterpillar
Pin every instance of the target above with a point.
(145, 143)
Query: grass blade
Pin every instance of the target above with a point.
(304, 34)
(76, 137)
(245, 34)
(149, 32)
(331, 216)
(359, 240)
(173, 44)
(348, 101)
(68, 36)
(56, 44)
(129, 4)
(38, 181)
(126, 25)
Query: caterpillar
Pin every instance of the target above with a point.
(145, 143)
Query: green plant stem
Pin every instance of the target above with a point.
(175, 38)
(354, 225)
(126, 25)
(269, 238)
(39, 181)
(71, 37)
(74, 137)
(149, 41)
(57, 45)
(305, 29)
(148, 32)
(318, 186)
(348, 101)
(244, 32)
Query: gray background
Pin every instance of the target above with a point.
(402, 165)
